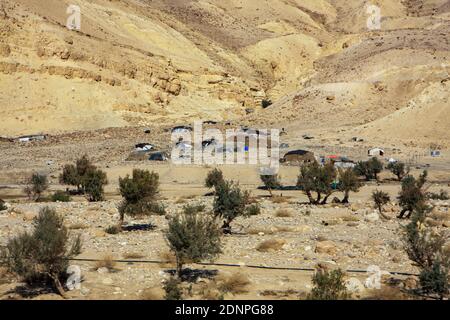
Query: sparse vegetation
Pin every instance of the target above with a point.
(193, 237)
(442, 195)
(234, 283)
(369, 169)
(316, 179)
(37, 184)
(106, 262)
(41, 257)
(270, 245)
(253, 210)
(283, 213)
(74, 175)
(412, 194)
(348, 182)
(93, 185)
(398, 169)
(214, 178)
(270, 182)
(328, 285)
(229, 203)
(425, 247)
(380, 199)
(139, 193)
(60, 196)
(194, 208)
(173, 289)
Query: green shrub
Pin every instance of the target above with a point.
(229, 203)
(37, 184)
(93, 185)
(380, 199)
(172, 289)
(314, 178)
(411, 194)
(113, 230)
(253, 210)
(193, 209)
(139, 193)
(60, 196)
(348, 182)
(270, 182)
(329, 286)
(214, 178)
(398, 169)
(442, 195)
(193, 237)
(74, 175)
(369, 169)
(41, 256)
(426, 249)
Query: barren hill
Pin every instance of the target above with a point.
(138, 62)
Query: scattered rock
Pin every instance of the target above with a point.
(328, 247)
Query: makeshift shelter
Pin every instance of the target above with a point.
(299, 156)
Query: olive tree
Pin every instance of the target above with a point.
(412, 194)
(317, 179)
(270, 182)
(37, 184)
(348, 182)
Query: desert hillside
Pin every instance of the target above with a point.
(137, 62)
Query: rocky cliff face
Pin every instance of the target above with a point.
(136, 62)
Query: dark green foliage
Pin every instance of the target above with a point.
(271, 182)
(172, 289)
(329, 286)
(369, 169)
(411, 195)
(93, 184)
(318, 179)
(435, 279)
(380, 198)
(214, 178)
(193, 237)
(37, 184)
(139, 193)
(426, 248)
(60, 196)
(229, 203)
(398, 169)
(348, 182)
(193, 209)
(442, 195)
(253, 210)
(41, 256)
(74, 175)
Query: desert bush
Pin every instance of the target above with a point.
(230, 202)
(283, 213)
(328, 285)
(426, 248)
(193, 237)
(398, 169)
(74, 175)
(411, 194)
(380, 199)
(42, 256)
(253, 210)
(318, 179)
(193, 208)
(132, 255)
(139, 193)
(214, 178)
(172, 289)
(270, 182)
(235, 283)
(442, 195)
(93, 185)
(348, 182)
(37, 184)
(60, 196)
(270, 245)
(369, 169)
(150, 294)
(107, 262)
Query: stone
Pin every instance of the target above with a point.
(107, 281)
(328, 247)
(103, 270)
(354, 285)
(372, 217)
